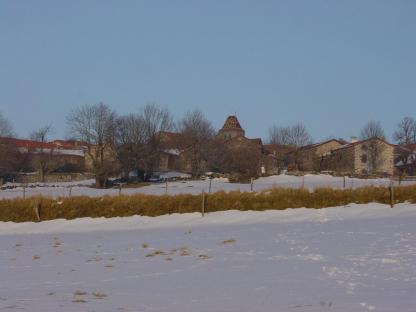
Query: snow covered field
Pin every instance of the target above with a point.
(354, 258)
(196, 187)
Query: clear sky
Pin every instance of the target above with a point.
(331, 64)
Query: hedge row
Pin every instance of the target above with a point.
(21, 210)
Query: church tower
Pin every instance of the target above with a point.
(231, 129)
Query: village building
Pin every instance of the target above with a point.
(309, 158)
(405, 160)
(371, 156)
(171, 156)
(232, 134)
(230, 139)
(276, 156)
(29, 156)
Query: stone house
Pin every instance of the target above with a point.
(59, 158)
(371, 156)
(309, 157)
(275, 157)
(405, 160)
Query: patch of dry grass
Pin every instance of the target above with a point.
(22, 210)
(228, 241)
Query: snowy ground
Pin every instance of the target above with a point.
(196, 187)
(354, 258)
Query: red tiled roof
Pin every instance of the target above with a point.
(20, 143)
(69, 144)
(232, 123)
(363, 141)
(342, 142)
(278, 149)
(169, 135)
(411, 147)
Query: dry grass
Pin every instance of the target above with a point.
(98, 295)
(204, 257)
(21, 210)
(156, 253)
(228, 241)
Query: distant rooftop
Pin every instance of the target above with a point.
(232, 123)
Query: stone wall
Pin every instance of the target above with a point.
(374, 157)
(311, 159)
(340, 161)
(366, 157)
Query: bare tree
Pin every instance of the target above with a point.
(42, 155)
(373, 129)
(131, 143)
(139, 139)
(197, 133)
(6, 129)
(374, 150)
(155, 120)
(406, 131)
(95, 125)
(243, 162)
(41, 134)
(296, 135)
(279, 135)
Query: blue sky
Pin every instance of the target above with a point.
(332, 65)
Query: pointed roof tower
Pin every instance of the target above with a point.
(231, 128)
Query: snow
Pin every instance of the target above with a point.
(172, 151)
(194, 187)
(353, 258)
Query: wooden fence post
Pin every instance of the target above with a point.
(345, 182)
(303, 182)
(252, 184)
(203, 203)
(24, 191)
(391, 189)
(210, 182)
(166, 187)
(37, 210)
(119, 189)
(70, 191)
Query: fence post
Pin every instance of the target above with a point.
(166, 187)
(24, 191)
(303, 181)
(210, 182)
(345, 182)
(252, 184)
(70, 191)
(119, 189)
(203, 203)
(37, 210)
(391, 189)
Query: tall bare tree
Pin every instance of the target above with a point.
(406, 131)
(373, 129)
(131, 143)
(155, 120)
(296, 135)
(197, 133)
(95, 125)
(139, 139)
(42, 156)
(6, 129)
